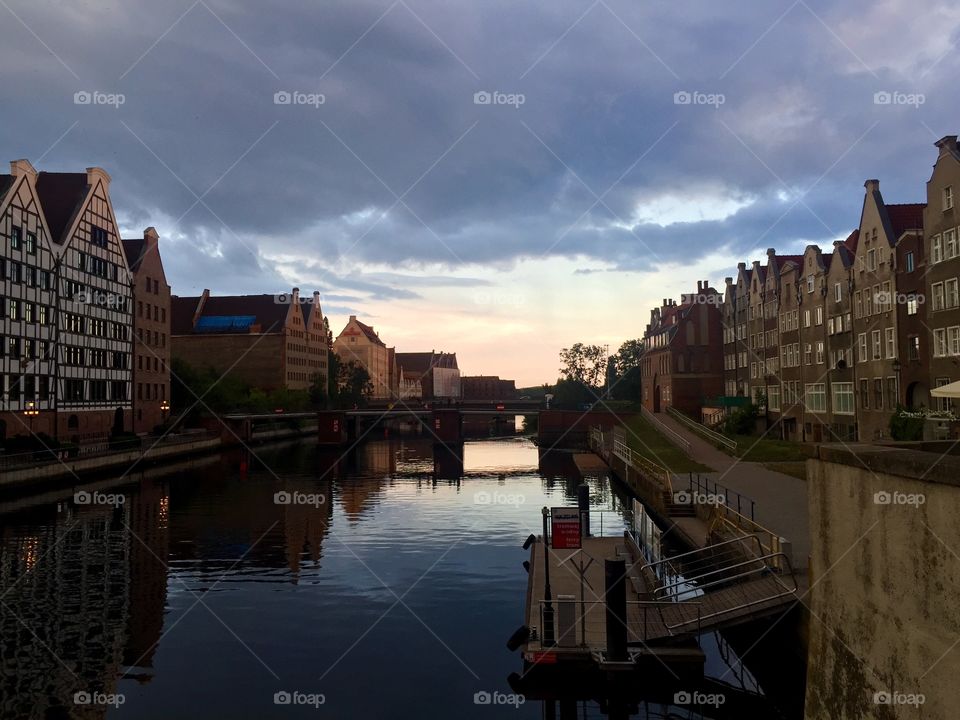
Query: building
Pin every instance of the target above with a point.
(841, 368)
(874, 308)
(151, 332)
(682, 363)
(940, 221)
(487, 388)
(436, 372)
(264, 340)
(94, 291)
(27, 312)
(360, 343)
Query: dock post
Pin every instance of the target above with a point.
(583, 502)
(548, 636)
(615, 587)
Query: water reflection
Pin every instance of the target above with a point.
(384, 582)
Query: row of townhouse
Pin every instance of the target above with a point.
(74, 334)
(830, 344)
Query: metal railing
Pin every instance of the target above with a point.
(702, 429)
(702, 485)
(641, 464)
(646, 620)
(726, 518)
(669, 433)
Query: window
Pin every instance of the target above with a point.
(950, 297)
(913, 347)
(949, 244)
(806, 318)
(936, 249)
(16, 238)
(909, 262)
(893, 396)
(838, 292)
(842, 398)
(816, 397)
(890, 340)
(942, 404)
(953, 340)
(820, 353)
(98, 236)
(939, 342)
(810, 283)
(878, 393)
(864, 395)
(876, 345)
(773, 397)
(937, 289)
(862, 347)
(912, 304)
(808, 354)
(948, 197)
(872, 259)
(31, 243)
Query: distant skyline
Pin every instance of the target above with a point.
(495, 180)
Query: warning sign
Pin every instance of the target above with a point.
(565, 527)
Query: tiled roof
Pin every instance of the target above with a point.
(133, 249)
(270, 314)
(370, 333)
(61, 195)
(418, 364)
(905, 217)
(5, 182)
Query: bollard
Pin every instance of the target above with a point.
(616, 593)
(583, 502)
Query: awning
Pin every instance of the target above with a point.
(947, 391)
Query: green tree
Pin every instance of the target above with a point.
(585, 364)
(348, 383)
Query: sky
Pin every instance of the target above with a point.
(495, 179)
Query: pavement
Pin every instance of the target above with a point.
(780, 500)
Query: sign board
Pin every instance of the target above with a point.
(565, 528)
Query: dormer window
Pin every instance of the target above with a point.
(948, 198)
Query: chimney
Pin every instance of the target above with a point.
(872, 185)
(741, 266)
(203, 301)
(728, 281)
(316, 298)
(756, 264)
(947, 144)
(150, 237)
(353, 318)
(771, 253)
(296, 294)
(19, 168)
(97, 173)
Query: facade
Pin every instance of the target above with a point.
(841, 345)
(94, 306)
(941, 220)
(27, 313)
(436, 373)
(151, 332)
(682, 363)
(791, 371)
(317, 336)
(360, 343)
(874, 313)
(264, 340)
(487, 388)
(813, 345)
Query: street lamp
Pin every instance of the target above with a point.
(31, 412)
(164, 409)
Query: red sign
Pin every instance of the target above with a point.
(544, 657)
(565, 528)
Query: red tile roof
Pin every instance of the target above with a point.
(370, 333)
(905, 217)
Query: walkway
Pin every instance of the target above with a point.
(781, 500)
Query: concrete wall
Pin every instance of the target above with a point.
(885, 592)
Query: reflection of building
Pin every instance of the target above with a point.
(269, 341)
(65, 606)
(148, 516)
(151, 331)
(359, 343)
(487, 387)
(436, 372)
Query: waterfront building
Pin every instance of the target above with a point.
(941, 222)
(151, 332)
(791, 372)
(264, 340)
(436, 372)
(841, 343)
(27, 308)
(487, 388)
(94, 343)
(874, 308)
(682, 364)
(360, 343)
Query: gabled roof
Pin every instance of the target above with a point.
(5, 182)
(846, 251)
(418, 364)
(133, 249)
(61, 196)
(369, 332)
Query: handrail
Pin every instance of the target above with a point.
(662, 590)
(669, 433)
(641, 463)
(702, 429)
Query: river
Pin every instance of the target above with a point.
(289, 582)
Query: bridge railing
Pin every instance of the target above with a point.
(702, 430)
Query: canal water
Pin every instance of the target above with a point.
(289, 583)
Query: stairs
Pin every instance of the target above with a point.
(675, 509)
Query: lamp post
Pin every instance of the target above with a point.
(547, 594)
(31, 412)
(164, 410)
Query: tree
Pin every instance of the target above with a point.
(585, 364)
(348, 383)
(625, 385)
(571, 394)
(628, 356)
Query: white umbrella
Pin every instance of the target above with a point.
(947, 391)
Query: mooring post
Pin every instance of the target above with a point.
(583, 502)
(548, 636)
(616, 593)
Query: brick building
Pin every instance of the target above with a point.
(487, 388)
(360, 343)
(682, 362)
(437, 374)
(151, 332)
(264, 340)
